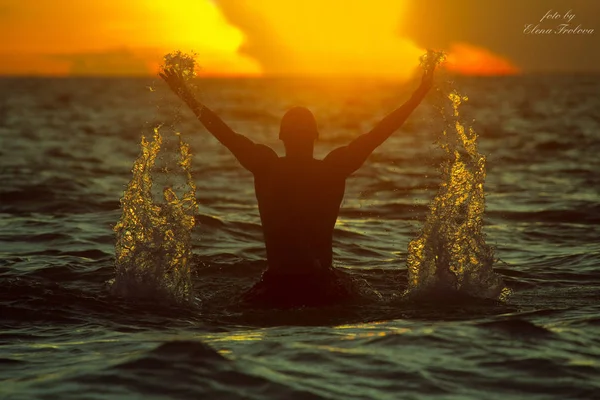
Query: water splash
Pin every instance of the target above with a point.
(183, 64)
(450, 255)
(153, 247)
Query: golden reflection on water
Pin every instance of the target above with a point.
(583, 362)
(243, 336)
(369, 330)
(220, 339)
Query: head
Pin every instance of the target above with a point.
(298, 132)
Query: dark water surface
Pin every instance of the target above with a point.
(66, 151)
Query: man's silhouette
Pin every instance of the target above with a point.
(299, 196)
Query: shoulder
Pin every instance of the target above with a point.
(337, 161)
(337, 158)
(268, 153)
(336, 155)
(264, 159)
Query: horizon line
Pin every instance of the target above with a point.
(297, 75)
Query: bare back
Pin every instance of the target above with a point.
(298, 205)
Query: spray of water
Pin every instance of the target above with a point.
(183, 64)
(450, 255)
(153, 246)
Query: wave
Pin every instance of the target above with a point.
(193, 370)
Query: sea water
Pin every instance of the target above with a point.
(66, 155)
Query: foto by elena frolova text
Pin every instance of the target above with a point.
(563, 27)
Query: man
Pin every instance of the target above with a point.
(298, 196)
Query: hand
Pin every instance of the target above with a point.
(176, 83)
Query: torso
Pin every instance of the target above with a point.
(298, 209)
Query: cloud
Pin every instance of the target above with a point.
(6, 10)
(112, 62)
(498, 26)
(262, 42)
(340, 37)
(18, 64)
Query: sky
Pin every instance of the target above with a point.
(275, 37)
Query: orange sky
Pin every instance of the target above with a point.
(115, 37)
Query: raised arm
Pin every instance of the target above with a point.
(252, 156)
(348, 159)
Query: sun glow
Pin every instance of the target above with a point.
(230, 37)
(199, 26)
(343, 37)
(466, 59)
